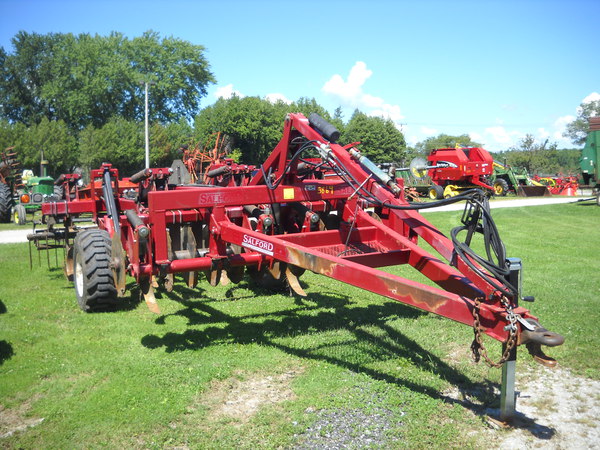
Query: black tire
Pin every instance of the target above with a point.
(500, 187)
(94, 284)
(59, 192)
(6, 203)
(20, 215)
(436, 192)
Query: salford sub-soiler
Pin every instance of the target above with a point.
(338, 215)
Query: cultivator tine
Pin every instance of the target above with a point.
(68, 267)
(224, 278)
(168, 282)
(275, 270)
(47, 252)
(188, 242)
(293, 281)
(147, 290)
(213, 276)
(118, 265)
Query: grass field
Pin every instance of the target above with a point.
(237, 367)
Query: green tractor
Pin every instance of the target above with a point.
(590, 158)
(33, 192)
(505, 179)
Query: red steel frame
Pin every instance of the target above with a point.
(388, 239)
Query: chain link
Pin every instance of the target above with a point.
(477, 346)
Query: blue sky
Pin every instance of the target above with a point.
(496, 70)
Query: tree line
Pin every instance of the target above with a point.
(80, 100)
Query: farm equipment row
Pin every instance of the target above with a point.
(475, 167)
(337, 215)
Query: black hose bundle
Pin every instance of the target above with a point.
(477, 219)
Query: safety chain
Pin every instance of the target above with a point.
(477, 346)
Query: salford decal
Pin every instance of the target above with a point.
(211, 198)
(258, 244)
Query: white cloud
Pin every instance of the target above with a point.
(561, 122)
(350, 94)
(500, 135)
(593, 97)
(428, 131)
(227, 92)
(274, 98)
(477, 137)
(543, 133)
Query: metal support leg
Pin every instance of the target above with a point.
(508, 395)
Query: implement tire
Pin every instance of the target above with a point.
(6, 203)
(94, 284)
(436, 192)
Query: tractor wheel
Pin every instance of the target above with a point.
(59, 192)
(93, 276)
(436, 192)
(20, 215)
(500, 187)
(6, 203)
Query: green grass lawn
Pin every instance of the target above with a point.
(189, 377)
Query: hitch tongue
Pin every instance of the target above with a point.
(538, 355)
(534, 336)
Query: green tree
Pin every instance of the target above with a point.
(536, 157)
(578, 129)
(442, 140)
(252, 126)
(165, 142)
(381, 140)
(10, 133)
(23, 76)
(87, 80)
(52, 137)
(119, 142)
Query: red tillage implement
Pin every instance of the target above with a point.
(339, 216)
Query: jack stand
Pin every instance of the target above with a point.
(508, 395)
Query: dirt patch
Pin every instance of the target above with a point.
(555, 410)
(15, 420)
(241, 398)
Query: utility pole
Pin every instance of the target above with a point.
(146, 84)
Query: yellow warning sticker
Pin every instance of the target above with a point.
(288, 193)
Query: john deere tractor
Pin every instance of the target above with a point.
(505, 179)
(34, 191)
